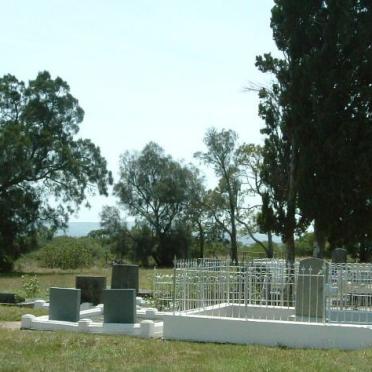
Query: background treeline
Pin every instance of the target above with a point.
(313, 171)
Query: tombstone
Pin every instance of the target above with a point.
(10, 298)
(339, 255)
(119, 306)
(91, 288)
(310, 289)
(124, 277)
(64, 304)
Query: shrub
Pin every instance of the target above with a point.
(70, 253)
(30, 286)
(305, 245)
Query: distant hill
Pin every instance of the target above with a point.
(77, 229)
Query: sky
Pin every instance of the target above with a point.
(145, 70)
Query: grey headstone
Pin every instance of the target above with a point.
(91, 288)
(310, 301)
(119, 306)
(124, 277)
(64, 304)
(10, 298)
(339, 255)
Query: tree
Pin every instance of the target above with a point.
(197, 215)
(41, 160)
(116, 231)
(156, 190)
(281, 151)
(256, 218)
(224, 199)
(327, 45)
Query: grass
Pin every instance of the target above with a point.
(66, 279)
(57, 351)
(14, 313)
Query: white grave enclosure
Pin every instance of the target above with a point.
(265, 302)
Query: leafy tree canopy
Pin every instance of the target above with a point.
(46, 173)
(328, 50)
(156, 190)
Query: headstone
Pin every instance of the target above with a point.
(91, 288)
(119, 306)
(64, 304)
(310, 301)
(10, 298)
(339, 255)
(124, 277)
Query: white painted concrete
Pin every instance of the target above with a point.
(147, 328)
(266, 332)
(245, 311)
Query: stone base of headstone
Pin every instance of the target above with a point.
(119, 306)
(26, 321)
(124, 277)
(91, 288)
(64, 304)
(147, 328)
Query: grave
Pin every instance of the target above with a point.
(119, 306)
(64, 304)
(10, 298)
(124, 277)
(339, 255)
(310, 289)
(91, 287)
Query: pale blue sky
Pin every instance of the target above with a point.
(160, 70)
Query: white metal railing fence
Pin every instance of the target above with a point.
(267, 289)
(349, 298)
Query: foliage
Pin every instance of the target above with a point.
(143, 243)
(305, 244)
(254, 250)
(41, 160)
(318, 119)
(156, 190)
(114, 232)
(223, 201)
(257, 218)
(30, 285)
(280, 153)
(70, 253)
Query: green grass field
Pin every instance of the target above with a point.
(62, 351)
(57, 351)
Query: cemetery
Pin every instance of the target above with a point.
(92, 308)
(313, 304)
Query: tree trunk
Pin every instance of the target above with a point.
(320, 240)
(234, 244)
(290, 254)
(201, 240)
(291, 209)
(270, 248)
